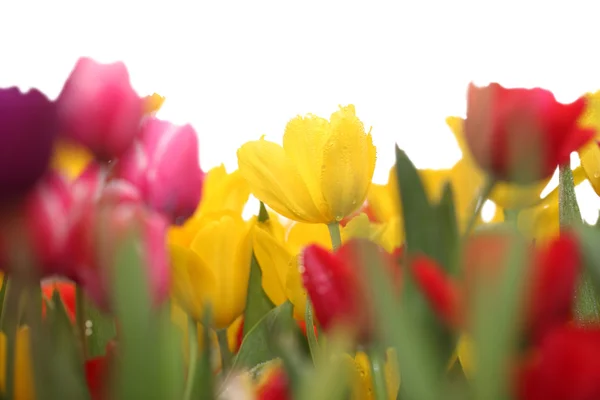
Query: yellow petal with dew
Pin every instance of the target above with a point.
(304, 141)
(224, 246)
(348, 164)
(273, 258)
(294, 289)
(274, 179)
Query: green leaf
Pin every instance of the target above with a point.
(102, 329)
(203, 385)
(423, 223)
(313, 344)
(449, 234)
(145, 343)
(255, 348)
(406, 332)
(257, 302)
(496, 315)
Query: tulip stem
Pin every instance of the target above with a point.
(334, 233)
(80, 318)
(313, 344)
(484, 193)
(377, 364)
(193, 361)
(224, 348)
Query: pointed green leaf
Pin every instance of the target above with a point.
(449, 234)
(587, 306)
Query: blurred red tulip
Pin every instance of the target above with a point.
(275, 387)
(522, 135)
(66, 290)
(99, 109)
(164, 165)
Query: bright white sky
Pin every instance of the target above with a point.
(240, 69)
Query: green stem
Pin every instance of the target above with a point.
(81, 319)
(484, 193)
(224, 347)
(334, 233)
(377, 362)
(569, 214)
(313, 344)
(9, 323)
(193, 361)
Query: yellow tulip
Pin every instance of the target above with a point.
(221, 192)
(589, 155)
(322, 172)
(541, 222)
(71, 159)
(23, 386)
(362, 384)
(277, 255)
(214, 268)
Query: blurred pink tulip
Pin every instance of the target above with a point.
(164, 165)
(100, 231)
(99, 109)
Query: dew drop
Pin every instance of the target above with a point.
(596, 175)
(88, 332)
(89, 324)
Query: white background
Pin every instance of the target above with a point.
(240, 69)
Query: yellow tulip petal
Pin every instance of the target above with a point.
(363, 386)
(302, 235)
(590, 161)
(434, 181)
(193, 282)
(23, 367)
(348, 164)
(381, 202)
(392, 234)
(303, 142)
(275, 180)
(513, 197)
(273, 259)
(223, 191)
(70, 159)
(541, 222)
(232, 333)
(465, 355)
(224, 246)
(153, 103)
(361, 227)
(294, 289)
(456, 126)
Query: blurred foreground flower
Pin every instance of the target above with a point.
(99, 109)
(163, 164)
(320, 175)
(522, 135)
(28, 128)
(23, 384)
(335, 283)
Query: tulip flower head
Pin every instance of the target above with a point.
(28, 128)
(320, 175)
(99, 109)
(163, 164)
(522, 135)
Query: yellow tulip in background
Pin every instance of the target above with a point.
(214, 268)
(362, 384)
(589, 155)
(23, 384)
(277, 254)
(322, 172)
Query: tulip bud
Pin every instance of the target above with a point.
(28, 127)
(164, 166)
(99, 109)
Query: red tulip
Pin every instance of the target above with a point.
(335, 283)
(99, 109)
(275, 387)
(551, 276)
(28, 127)
(66, 290)
(522, 135)
(566, 366)
(164, 166)
(97, 373)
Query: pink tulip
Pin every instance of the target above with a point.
(99, 234)
(164, 165)
(41, 224)
(99, 109)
